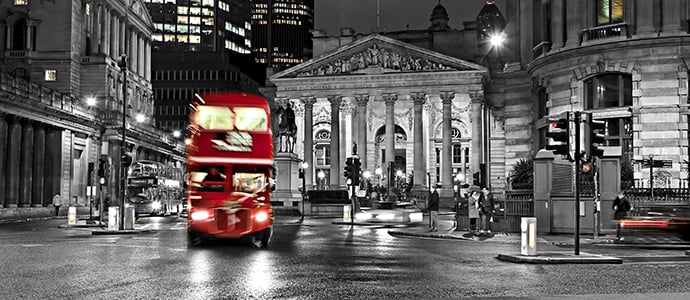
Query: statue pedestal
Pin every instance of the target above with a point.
(287, 180)
(446, 198)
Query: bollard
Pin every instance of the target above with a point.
(528, 245)
(129, 218)
(113, 217)
(347, 216)
(72, 216)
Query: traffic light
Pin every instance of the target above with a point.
(596, 138)
(356, 170)
(483, 175)
(559, 132)
(349, 168)
(126, 160)
(476, 179)
(301, 173)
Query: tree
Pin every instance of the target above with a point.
(522, 177)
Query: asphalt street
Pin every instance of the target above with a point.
(314, 260)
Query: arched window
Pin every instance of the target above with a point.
(19, 35)
(609, 12)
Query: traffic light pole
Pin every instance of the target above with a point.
(577, 156)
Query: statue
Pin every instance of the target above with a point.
(287, 129)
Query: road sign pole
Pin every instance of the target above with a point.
(577, 182)
(651, 175)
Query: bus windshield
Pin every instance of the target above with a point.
(237, 118)
(208, 179)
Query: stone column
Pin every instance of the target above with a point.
(645, 17)
(335, 141)
(309, 138)
(148, 60)
(446, 146)
(141, 54)
(476, 151)
(123, 36)
(106, 31)
(390, 130)
(419, 165)
(115, 34)
(574, 25)
(133, 54)
(557, 26)
(95, 28)
(3, 155)
(26, 182)
(13, 159)
(38, 162)
(671, 17)
(362, 101)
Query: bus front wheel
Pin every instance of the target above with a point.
(262, 238)
(194, 239)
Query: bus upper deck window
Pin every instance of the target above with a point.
(250, 118)
(215, 117)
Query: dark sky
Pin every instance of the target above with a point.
(331, 15)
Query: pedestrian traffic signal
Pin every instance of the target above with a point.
(126, 160)
(596, 138)
(476, 181)
(559, 132)
(301, 173)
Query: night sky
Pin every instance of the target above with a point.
(331, 15)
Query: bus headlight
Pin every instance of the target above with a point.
(261, 216)
(199, 215)
(156, 205)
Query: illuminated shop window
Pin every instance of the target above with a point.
(21, 2)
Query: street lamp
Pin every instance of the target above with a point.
(91, 101)
(321, 176)
(497, 40)
(176, 133)
(140, 118)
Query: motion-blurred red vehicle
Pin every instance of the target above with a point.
(229, 163)
(666, 221)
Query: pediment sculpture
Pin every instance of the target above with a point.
(374, 57)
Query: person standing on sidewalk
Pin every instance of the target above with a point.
(486, 208)
(473, 208)
(621, 206)
(57, 202)
(433, 209)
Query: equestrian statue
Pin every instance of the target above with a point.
(287, 128)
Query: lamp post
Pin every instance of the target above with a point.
(321, 175)
(303, 171)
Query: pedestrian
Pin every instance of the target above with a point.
(57, 202)
(486, 208)
(621, 206)
(473, 208)
(433, 209)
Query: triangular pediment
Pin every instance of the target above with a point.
(377, 54)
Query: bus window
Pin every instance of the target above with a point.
(209, 179)
(249, 182)
(251, 119)
(215, 117)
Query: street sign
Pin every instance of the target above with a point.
(656, 163)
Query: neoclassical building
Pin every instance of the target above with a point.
(624, 61)
(61, 100)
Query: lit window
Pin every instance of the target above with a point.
(195, 39)
(157, 37)
(159, 26)
(195, 11)
(224, 6)
(250, 118)
(182, 38)
(182, 20)
(194, 29)
(207, 3)
(169, 38)
(169, 27)
(207, 12)
(207, 21)
(51, 75)
(88, 9)
(215, 117)
(21, 2)
(182, 10)
(609, 11)
(194, 20)
(183, 29)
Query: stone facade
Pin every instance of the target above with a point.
(61, 99)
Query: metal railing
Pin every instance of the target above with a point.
(605, 32)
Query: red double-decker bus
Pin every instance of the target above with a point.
(229, 163)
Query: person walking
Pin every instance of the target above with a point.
(433, 209)
(621, 206)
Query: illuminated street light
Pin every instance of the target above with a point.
(496, 40)
(321, 175)
(378, 171)
(140, 118)
(305, 165)
(366, 174)
(176, 133)
(399, 173)
(91, 101)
